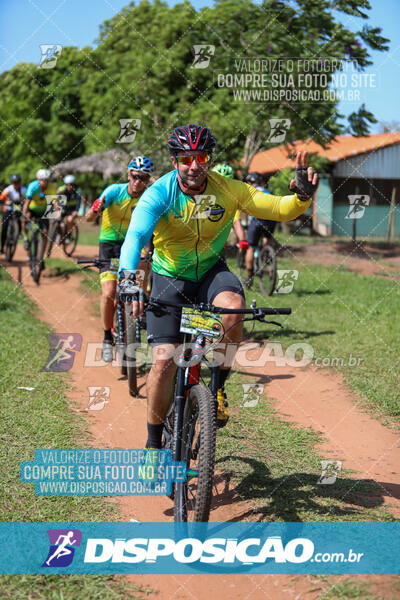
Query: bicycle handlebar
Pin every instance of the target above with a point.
(219, 309)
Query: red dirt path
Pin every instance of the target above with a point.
(311, 398)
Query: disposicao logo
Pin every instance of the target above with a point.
(62, 547)
(190, 550)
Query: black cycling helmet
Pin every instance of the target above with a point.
(191, 137)
(15, 178)
(254, 178)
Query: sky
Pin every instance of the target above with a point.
(28, 23)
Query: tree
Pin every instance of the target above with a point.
(145, 67)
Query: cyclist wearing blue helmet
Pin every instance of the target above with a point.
(116, 204)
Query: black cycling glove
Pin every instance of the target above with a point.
(127, 288)
(303, 188)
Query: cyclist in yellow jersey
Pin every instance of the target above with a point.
(39, 204)
(191, 211)
(116, 204)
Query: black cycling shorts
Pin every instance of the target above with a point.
(43, 222)
(258, 228)
(109, 250)
(165, 329)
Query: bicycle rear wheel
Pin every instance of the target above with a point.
(192, 500)
(266, 270)
(11, 239)
(70, 241)
(53, 236)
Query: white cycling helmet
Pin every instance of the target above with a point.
(69, 179)
(43, 174)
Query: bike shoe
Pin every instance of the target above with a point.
(26, 245)
(107, 351)
(222, 411)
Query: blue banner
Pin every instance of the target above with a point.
(202, 548)
(103, 472)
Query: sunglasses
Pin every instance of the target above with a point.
(202, 159)
(142, 178)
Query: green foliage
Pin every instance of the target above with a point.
(142, 67)
(279, 184)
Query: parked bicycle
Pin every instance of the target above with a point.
(264, 268)
(58, 234)
(13, 230)
(127, 331)
(190, 426)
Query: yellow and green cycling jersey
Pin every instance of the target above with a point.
(189, 233)
(38, 198)
(117, 211)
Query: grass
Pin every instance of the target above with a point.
(343, 315)
(351, 589)
(40, 419)
(88, 233)
(275, 467)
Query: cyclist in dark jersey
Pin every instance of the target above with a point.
(257, 228)
(72, 200)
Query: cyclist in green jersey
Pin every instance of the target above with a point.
(39, 204)
(116, 204)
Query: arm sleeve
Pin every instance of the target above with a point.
(237, 216)
(266, 206)
(30, 190)
(151, 206)
(108, 195)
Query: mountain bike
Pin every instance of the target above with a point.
(264, 268)
(58, 234)
(191, 423)
(127, 334)
(36, 248)
(13, 231)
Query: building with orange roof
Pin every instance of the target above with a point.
(364, 173)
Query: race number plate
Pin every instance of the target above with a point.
(196, 321)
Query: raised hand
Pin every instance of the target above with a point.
(305, 182)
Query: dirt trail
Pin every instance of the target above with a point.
(354, 437)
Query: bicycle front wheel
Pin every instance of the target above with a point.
(130, 351)
(11, 239)
(70, 241)
(192, 500)
(36, 256)
(266, 270)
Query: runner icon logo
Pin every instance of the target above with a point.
(50, 54)
(279, 129)
(330, 471)
(128, 131)
(251, 394)
(286, 279)
(55, 204)
(62, 547)
(202, 55)
(98, 397)
(62, 351)
(358, 203)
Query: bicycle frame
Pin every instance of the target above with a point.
(187, 376)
